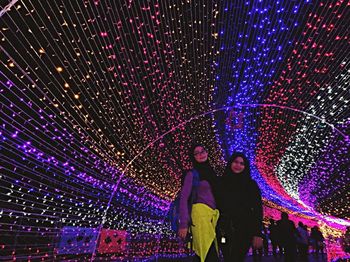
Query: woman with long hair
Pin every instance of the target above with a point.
(201, 218)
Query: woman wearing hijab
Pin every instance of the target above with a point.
(240, 207)
(202, 218)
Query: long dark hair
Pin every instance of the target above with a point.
(246, 171)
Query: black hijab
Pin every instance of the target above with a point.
(205, 170)
(242, 178)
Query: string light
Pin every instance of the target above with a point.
(87, 87)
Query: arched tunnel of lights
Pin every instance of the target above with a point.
(100, 101)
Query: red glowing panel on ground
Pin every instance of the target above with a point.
(112, 241)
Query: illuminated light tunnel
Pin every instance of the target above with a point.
(100, 101)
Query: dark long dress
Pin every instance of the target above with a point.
(240, 205)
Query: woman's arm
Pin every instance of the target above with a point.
(257, 210)
(257, 241)
(184, 196)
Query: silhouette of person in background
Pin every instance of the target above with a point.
(240, 206)
(273, 236)
(265, 237)
(302, 241)
(287, 237)
(317, 240)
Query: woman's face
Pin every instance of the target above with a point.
(200, 154)
(237, 165)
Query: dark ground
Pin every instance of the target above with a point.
(311, 258)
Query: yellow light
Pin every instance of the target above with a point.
(76, 96)
(11, 64)
(59, 69)
(66, 85)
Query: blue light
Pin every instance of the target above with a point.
(243, 78)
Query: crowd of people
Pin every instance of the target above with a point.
(282, 237)
(224, 215)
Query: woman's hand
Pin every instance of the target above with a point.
(257, 242)
(183, 233)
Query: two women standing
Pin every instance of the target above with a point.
(237, 197)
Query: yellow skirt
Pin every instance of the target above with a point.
(203, 226)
